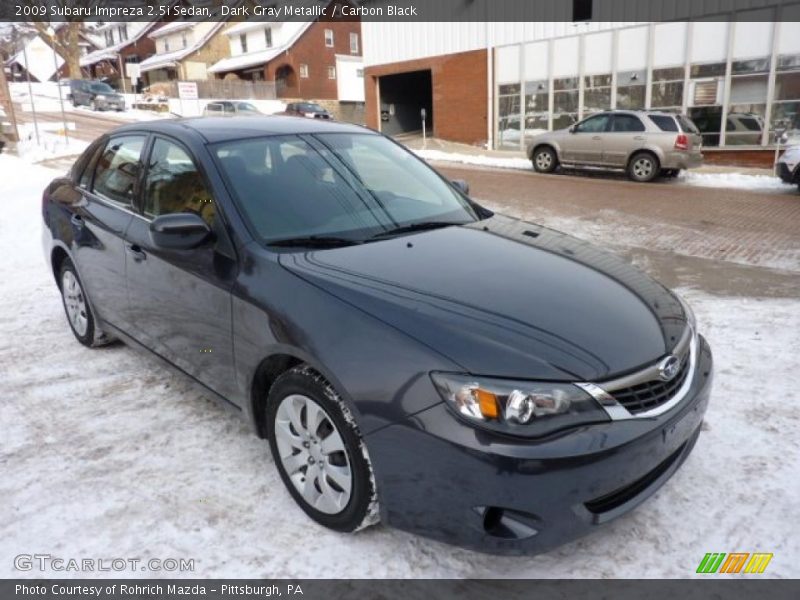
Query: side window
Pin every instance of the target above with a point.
(593, 125)
(664, 122)
(627, 124)
(87, 164)
(174, 184)
(118, 169)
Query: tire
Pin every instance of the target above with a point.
(544, 160)
(95, 106)
(76, 306)
(340, 492)
(670, 173)
(643, 167)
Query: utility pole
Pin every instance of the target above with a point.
(52, 33)
(30, 93)
(8, 106)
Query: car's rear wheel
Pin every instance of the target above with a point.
(670, 173)
(544, 160)
(319, 452)
(76, 305)
(643, 167)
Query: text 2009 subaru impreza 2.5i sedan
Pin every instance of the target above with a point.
(410, 356)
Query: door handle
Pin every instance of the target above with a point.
(76, 220)
(638, 137)
(596, 137)
(136, 252)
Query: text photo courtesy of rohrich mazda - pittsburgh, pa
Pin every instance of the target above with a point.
(336, 298)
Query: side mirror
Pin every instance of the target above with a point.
(461, 185)
(179, 231)
(572, 129)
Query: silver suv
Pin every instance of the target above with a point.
(644, 143)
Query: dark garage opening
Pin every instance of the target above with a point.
(403, 96)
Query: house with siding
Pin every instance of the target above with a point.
(184, 50)
(124, 44)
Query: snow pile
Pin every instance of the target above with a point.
(479, 160)
(107, 454)
(759, 183)
(740, 181)
(51, 142)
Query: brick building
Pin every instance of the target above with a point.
(185, 50)
(317, 60)
(734, 70)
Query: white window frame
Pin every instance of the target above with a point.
(331, 72)
(353, 42)
(268, 37)
(243, 43)
(303, 71)
(329, 41)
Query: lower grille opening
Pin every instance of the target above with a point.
(619, 497)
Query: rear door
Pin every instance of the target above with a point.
(108, 187)
(180, 300)
(626, 134)
(585, 144)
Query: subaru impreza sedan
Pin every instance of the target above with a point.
(412, 357)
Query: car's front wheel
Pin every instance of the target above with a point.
(544, 160)
(643, 167)
(319, 452)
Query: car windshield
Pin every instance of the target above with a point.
(349, 186)
(308, 107)
(102, 88)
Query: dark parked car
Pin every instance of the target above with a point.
(410, 355)
(96, 94)
(312, 110)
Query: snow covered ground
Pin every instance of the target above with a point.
(106, 454)
(763, 183)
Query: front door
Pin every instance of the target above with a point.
(584, 145)
(180, 300)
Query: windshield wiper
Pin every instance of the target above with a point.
(421, 226)
(315, 241)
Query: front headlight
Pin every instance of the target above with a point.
(520, 408)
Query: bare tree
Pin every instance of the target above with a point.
(64, 38)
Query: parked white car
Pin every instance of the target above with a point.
(788, 165)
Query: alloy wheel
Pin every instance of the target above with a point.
(643, 168)
(313, 454)
(75, 303)
(544, 160)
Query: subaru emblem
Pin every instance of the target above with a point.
(669, 367)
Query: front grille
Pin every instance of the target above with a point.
(651, 394)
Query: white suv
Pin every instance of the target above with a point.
(788, 165)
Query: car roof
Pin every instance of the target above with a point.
(223, 129)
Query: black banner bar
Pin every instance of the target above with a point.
(729, 588)
(520, 11)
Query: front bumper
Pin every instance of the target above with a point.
(110, 103)
(441, 478)
(682, 160)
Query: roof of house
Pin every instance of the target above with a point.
(170, 59)
(253, 59)
(112, 52)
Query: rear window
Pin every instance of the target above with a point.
(664, 122)
(687, 124)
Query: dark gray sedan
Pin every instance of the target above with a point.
(410, 356)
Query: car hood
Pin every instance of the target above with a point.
(506, 298)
